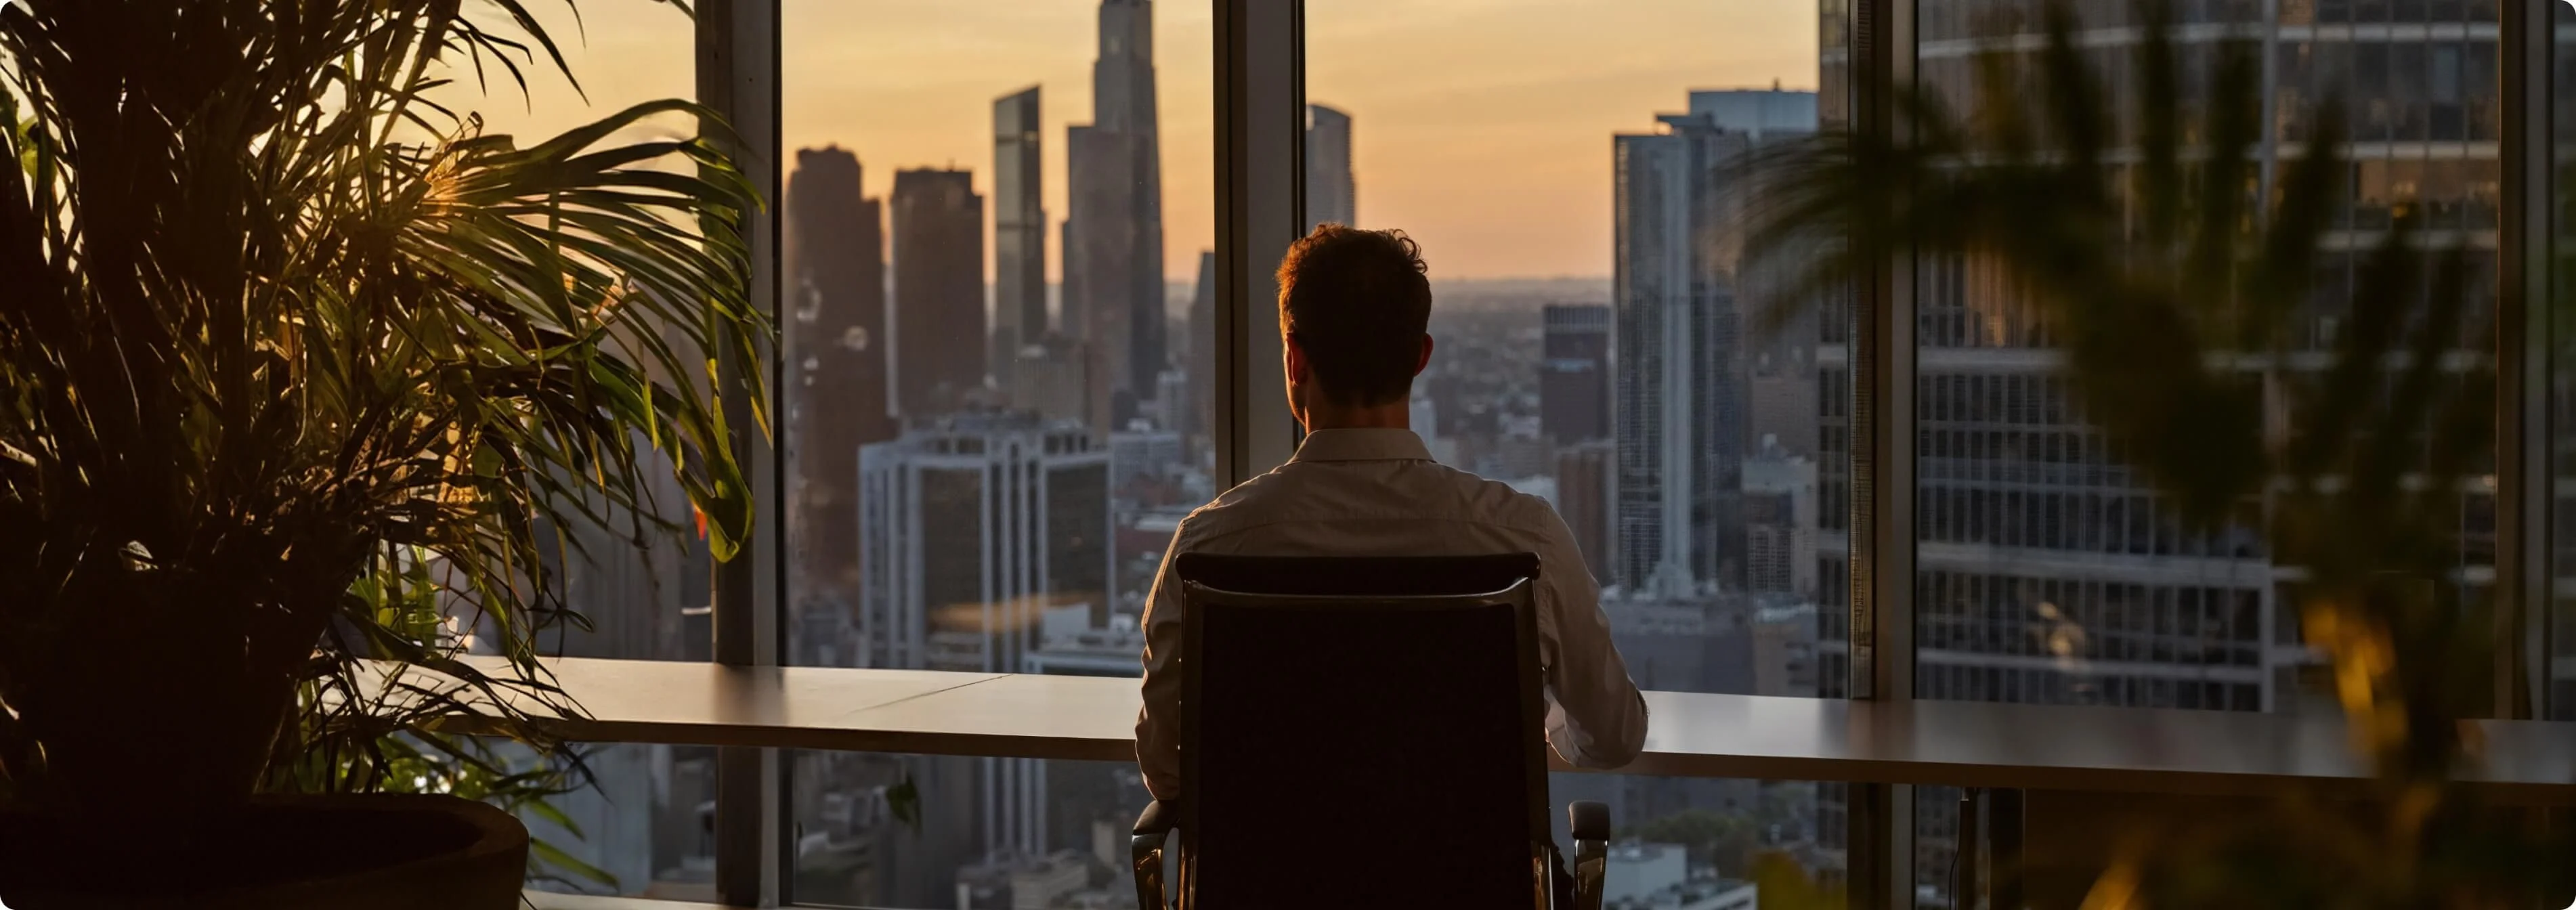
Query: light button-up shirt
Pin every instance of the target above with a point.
(1377, 491)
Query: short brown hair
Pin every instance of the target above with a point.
(1358, 303)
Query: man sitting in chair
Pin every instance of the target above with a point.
(1353, 309)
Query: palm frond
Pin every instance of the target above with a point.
(300, 368)
(2179, 283)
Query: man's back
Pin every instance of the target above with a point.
(1352, 492)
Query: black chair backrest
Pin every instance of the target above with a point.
(1362, 731)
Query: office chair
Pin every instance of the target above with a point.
(1362, 731)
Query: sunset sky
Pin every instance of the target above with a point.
(1482, 127)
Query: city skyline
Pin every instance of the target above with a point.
(1511, 100)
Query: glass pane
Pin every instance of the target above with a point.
(998, 296)
(1744, 844)
(1066, 825)
(638, 823)
(1579, 184)
(643, 827)
(645, 595)
(2050, 567)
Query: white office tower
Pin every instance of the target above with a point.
(1331, 198)
(1682, 394)
(970, 529)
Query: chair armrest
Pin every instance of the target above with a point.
(1590, 822)
(1151, 836)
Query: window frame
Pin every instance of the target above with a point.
(1260, 86)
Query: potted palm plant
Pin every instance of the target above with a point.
(301, 375)
(2346, 431)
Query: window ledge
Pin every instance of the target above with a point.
(549, 900)
(1691, 734)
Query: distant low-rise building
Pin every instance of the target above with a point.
(1660, 877)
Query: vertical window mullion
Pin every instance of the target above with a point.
(737, 78)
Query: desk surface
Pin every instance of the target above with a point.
(1695, 735)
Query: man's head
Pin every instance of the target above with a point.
(1353, 309)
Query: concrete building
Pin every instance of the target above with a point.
(1659, 877)
(1050, 380)
(939, 334)
(1153, 454)
(1113, 250)
(836, 396)
(2047, 570)
(2027, 518)
(1587, 494)
(1019, 232)
(1779, 522)
(1784, 647)
(974, 526)
(1100, 265)
(971, 525)
(1763, 114)
(1331, 198)
(1197, 419)
(1574, 377)
(1679, 404)
(1683, 388)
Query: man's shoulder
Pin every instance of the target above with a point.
(1497, 502)
(1237, 505)
(1424, 490)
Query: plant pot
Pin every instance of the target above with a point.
(382, 852)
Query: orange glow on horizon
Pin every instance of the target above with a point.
(1481, 127)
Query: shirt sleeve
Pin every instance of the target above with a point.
(1595, 716)
(1158, 734)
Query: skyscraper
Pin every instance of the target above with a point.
(938, 291)
(1761, 114)
(2025, 513)
(1676, 318)
(974, 526)
(1780, 522)
(1330, 196)
(1587, 494)
(1100, 263)
(1019, 232)
(1682, 389)
(1114, 235)
(1202, 353)
(2029, 526)
(836, 397)
(1574, 374)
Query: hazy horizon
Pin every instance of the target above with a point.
(1480, 127)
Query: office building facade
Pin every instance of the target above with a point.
(1574, 377)
(836, 396)
(2025, 513)
(1682, 390)
(1113, 249)
(1019, 232)
(939, 328)
(1195, 417)
(2048, 571)
(975, 526)
(1587, 497)
(1679, 404)
(1331, 197)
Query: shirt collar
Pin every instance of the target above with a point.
(1362, 445)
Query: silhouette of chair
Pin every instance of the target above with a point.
(1362, 731)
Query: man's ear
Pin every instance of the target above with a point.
(1296, 358)
(1425, 360)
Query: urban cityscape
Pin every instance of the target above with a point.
(985, 467)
